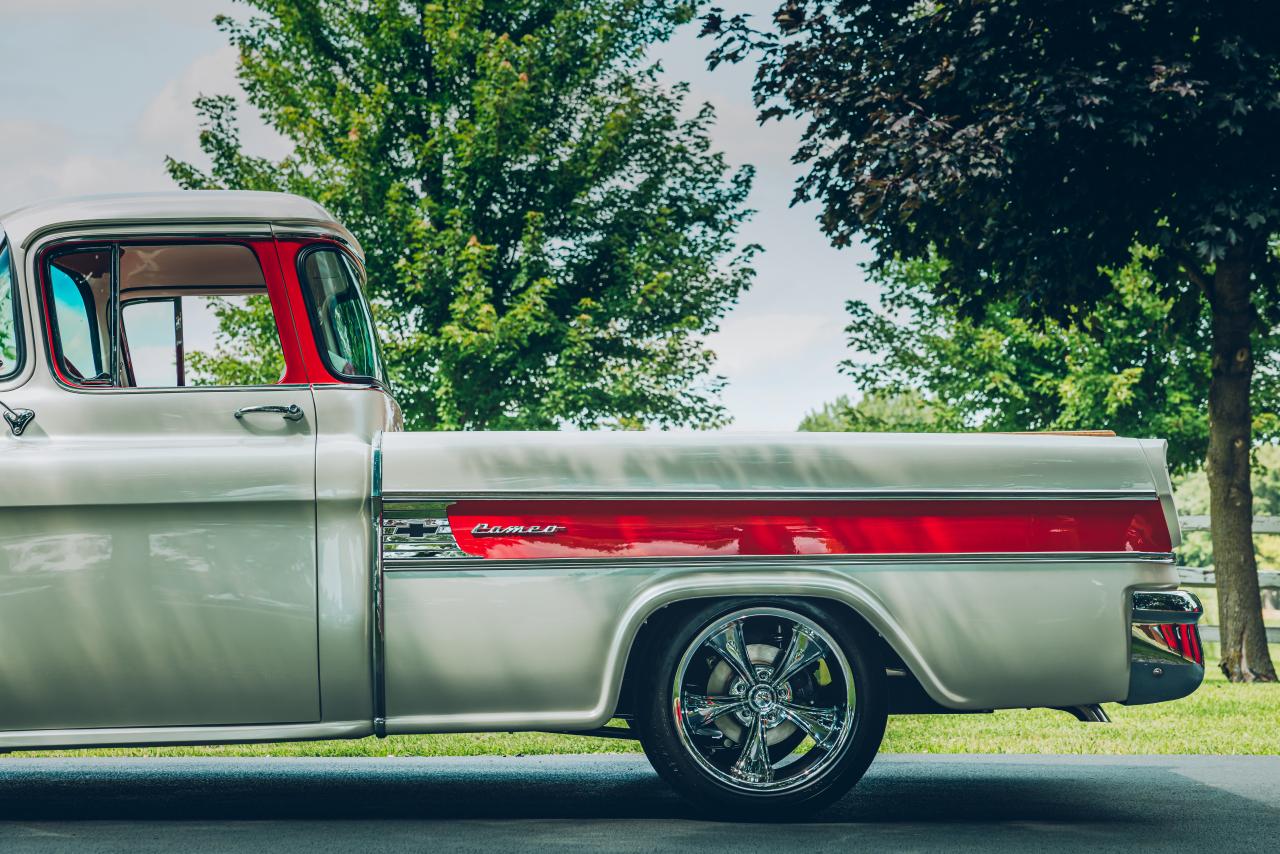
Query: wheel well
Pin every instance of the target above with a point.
(656, 624)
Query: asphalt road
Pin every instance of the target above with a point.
(616, 803)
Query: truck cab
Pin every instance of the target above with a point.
(205, 384)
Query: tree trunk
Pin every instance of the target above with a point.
(1245, 657)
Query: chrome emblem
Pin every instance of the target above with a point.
(418, 531)
(415, 530)
(486, 530)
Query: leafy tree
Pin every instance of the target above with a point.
(903, 411)
(246, 347)
(1031, 144)
(550, 237)
(1126, 365)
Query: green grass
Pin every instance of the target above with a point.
(1219, 718)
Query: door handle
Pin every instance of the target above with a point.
(292, 412)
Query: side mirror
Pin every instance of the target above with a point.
(18, 419)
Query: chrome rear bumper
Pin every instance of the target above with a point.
(1166, 660)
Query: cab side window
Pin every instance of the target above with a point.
(80, 291)
(10, 322)
(189, 315)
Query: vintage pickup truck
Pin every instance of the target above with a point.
(213, 528)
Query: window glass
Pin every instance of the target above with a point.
(190, 315)
(197, 315)
(195, 339)
(9, 326)
(151, 328)
(344, 325)
(80, 285)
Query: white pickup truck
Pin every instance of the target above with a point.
(216, 531)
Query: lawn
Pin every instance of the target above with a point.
(1219, 718)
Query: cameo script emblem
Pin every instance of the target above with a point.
(486, 530)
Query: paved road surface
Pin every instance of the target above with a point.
(616, 803)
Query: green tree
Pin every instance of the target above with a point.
(550, 234)
(1127, 365)
(246, 347)
(903, 411)
(1032, 144)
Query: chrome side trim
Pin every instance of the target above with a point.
(378, 646)
(419, 532)
(118, 229)
(781, 495)
(1168, 607)
(472, 564)
(58, 739)
(283, 229)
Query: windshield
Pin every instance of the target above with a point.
(8, 314)
(344, 325)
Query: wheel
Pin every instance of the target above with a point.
(763, 708)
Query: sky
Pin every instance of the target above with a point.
(99, 91)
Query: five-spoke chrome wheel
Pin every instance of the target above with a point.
(764, 700)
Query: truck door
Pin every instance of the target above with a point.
(158, 559)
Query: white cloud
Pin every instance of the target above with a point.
(15, 11)
(169, 123)
(747, 343)
(40, 160)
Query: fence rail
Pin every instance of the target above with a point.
(1204, 576)
(1261, 524)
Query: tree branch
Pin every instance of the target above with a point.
(1197, 276)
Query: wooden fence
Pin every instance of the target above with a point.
(1201, 576)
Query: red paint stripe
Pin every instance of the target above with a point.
(633, 528)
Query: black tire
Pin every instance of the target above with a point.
(679, 751)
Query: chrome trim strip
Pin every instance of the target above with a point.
(779, 495)
(379, 644)
(57, 739)
(1166, 607)
(472, 564)
(18, 309)
(285, 229)
(146, 228)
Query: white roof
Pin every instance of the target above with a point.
(181, 206)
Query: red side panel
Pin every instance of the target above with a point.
(646, 528)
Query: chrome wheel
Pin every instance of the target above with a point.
(764, 700)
